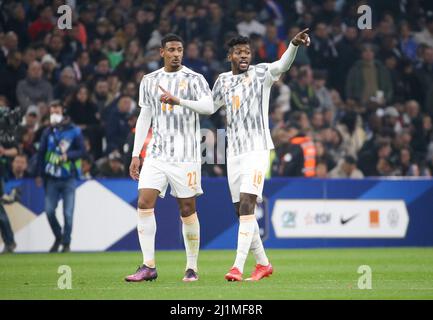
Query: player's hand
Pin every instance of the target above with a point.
(302, 38)
(167, 97)
(134, 168)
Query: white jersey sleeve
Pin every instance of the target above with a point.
(217, 94)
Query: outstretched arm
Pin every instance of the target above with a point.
(204, 105)
(278, 67)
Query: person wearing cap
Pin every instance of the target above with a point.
(58, 166)
(49, 65)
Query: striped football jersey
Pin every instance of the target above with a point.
(175, 129)
(246, 98)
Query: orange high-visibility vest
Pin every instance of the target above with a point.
(309, 150)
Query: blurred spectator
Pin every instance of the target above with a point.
(346, 169)
(303, 96)
(10, 74)
(368, 78)
(374, 161)
(67, 84)
(117, 128)
(322, 51)
(34, 88)
(425, 72)
(323, 94)
(426, 35)
(248, 24)
(56, 47)
(44, 24)
(18, 23)
(10, 43)
(82, 66)
(192, 59)
(146, 22)
(49, 68)
(19, 167)
(353, 134)
(84, 113)
(156, 36)
(272, 48)
(323, 156)
(219, 24)
(113, 166)
(348, 50)
(88, 168)
(321, 170)
(408, 45)
(101, 96)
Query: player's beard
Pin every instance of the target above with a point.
(243, 68)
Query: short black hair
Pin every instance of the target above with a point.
(237, 40)
(171, 37)
(56, 103)
(350, 160)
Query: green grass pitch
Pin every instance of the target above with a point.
(397, 273)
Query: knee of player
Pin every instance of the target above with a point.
(144, 203)
(246, 207)
(186, 209)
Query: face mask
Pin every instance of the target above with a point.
(55, 118)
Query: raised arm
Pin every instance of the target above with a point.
(280, 66)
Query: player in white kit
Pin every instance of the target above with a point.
(172, 156)
(244, 91)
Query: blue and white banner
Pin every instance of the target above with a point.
(296, 213)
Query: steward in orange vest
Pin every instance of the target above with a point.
(299, 159)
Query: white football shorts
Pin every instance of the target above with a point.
(246, 173)
(184, 177)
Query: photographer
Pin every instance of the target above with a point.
(61, 148)
(8, 150)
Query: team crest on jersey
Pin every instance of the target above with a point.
(183, 85)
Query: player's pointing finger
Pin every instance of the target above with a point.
(162, 89)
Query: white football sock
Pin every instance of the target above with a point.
(257, 247)
(245, 236)
(146, 228)
(191, 239)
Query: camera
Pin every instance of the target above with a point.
(9, 121)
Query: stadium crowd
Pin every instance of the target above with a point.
(357, 102)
